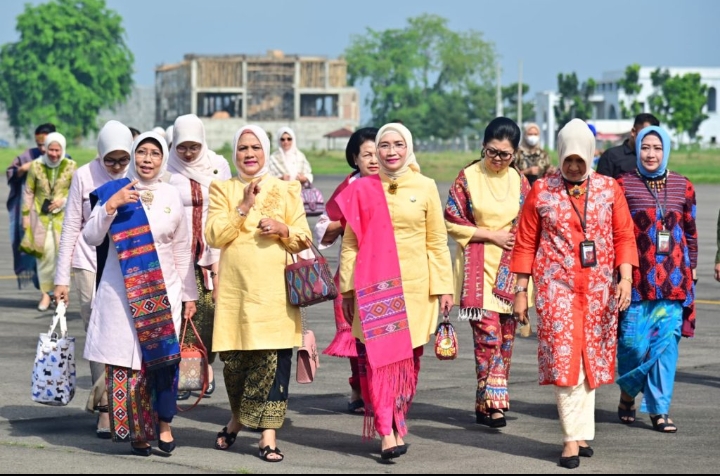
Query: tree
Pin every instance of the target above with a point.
(509, 96)
(632, 87)
(425, 75)
(574, 99)
(70, 62)
(679, 101)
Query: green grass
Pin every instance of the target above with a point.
(698, 166)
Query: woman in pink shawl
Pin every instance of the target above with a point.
(360, 154)
(395, 276)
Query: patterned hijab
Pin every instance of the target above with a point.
(53, 137)
(666, 144)
(132, 174)
(262, 136)
(411, 162)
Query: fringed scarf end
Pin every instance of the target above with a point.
(343, 345)
(470, 314)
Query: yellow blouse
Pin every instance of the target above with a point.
(252, 311)
(425, 265)
(496, 203)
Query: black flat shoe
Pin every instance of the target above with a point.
(390, 453)
(586, 452)
(402, 449)
(211, 387)
(183, 395)
(488, 420)
(570, 462)
(147, 451)
(166, 446)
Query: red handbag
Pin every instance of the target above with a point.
(446, 342)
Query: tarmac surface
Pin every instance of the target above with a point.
(319, 436)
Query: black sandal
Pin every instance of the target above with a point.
(102, 433)
(265, 452)
(663, 427)
(488, 420)
(626, 412)
(356, 405)
(229, 439)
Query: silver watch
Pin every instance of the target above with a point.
(520, 289)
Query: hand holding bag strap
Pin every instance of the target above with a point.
(203, 350)
(59, 316)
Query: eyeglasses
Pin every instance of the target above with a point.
(116, 163)
(504, 155)
(286, 139)
(193, 148)
(385, 147)
(155, 154)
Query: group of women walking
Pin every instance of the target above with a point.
(159, 235)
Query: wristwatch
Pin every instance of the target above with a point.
(520, 289)
(213, 274)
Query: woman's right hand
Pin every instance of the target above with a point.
(348, 309)
(62, 294)
(520, 307)
(249, 194)
(122, 197)
(503, 239)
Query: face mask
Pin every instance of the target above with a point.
(532, 140)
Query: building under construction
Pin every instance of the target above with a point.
(308, 94)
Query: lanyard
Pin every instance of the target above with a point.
(660, 207)
(583, 218)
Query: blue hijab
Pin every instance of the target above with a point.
(666, 144)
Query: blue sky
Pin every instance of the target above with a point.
(548, 36)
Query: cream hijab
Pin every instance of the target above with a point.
(189, 128)
(576, 138)
(49, 139)
(264, 142)
(411, 162)
(114, 136)
(132, 174)
(291, 157)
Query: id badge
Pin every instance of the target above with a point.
(662, 246)
(588, 258)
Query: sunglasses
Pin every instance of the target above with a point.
(286, 139)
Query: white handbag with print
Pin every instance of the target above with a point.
(53, 377)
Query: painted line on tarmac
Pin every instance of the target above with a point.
(8, 277)
(705, 301)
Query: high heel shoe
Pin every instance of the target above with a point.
(102, 433)
(145, 451)
(166, 446)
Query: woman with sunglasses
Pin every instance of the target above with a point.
(194, 167)
(288, 163)
(481, 215)
(76, 258)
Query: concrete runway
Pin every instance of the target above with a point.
(320, 437)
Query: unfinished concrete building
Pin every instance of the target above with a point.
(308, 94)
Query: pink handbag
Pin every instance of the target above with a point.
(307, 356)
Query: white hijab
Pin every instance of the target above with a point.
(411, 162)
(576, 138)
(291, 157)
(114, 136)
(169, 135)
(189, 128)
(159, 131)
(264, 142)
(132, 174)
(50, 139)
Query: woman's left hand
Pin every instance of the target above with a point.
(623, 294)
(190, 309)
(302, 178)
(56, 204)
(268, 227)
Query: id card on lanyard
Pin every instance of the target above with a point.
(663, 240)
(588, 252)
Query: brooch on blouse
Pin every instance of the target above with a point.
(393, 188)
(147, 198)
(577, 191)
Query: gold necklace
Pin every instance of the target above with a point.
(489, 186)
(147, 198)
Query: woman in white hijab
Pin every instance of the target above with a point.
(194, 167)
(255, 219)
(76, 259)
(288, 163)
(146, 286)
(45, 195)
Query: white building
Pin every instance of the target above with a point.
(609, 96)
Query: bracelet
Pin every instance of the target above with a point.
(627, 278)
(240, 212)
